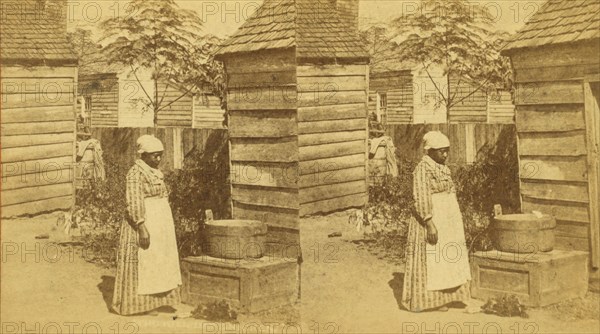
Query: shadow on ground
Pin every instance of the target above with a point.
(396, 284)
(107, 287)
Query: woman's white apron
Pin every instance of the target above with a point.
(158, 266)
(448, 260)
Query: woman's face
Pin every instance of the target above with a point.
(152, 159)
(439, 155)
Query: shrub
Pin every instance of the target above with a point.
(493, 178)
(101, 208)
(220, 311)
(202, 184)
(507, 306)
(388, 210)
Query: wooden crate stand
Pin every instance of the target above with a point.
(249, 285)
(537, 279)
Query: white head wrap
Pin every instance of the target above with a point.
(149, 144)
(435, 140)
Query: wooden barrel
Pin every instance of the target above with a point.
(235, 239)
(523, 233)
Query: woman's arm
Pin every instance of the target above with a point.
(135, 207)
(422, 194)
(135, 198)
(423, 205)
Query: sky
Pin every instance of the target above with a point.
(223, 17)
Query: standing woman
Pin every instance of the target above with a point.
(148, 272)
(437, 265)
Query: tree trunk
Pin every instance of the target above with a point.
(448, 100)
(156, 106)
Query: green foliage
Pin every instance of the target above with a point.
(493, 178)
(457, 37)
(389, 209)
(86, 48)
(219, 311)
(476, 224)
(159, 36)
(201, 184)
(101, 208)
(379, 45)
(507, 306)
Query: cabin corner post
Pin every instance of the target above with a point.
(367, 171)
(74, 166)
(591, 110)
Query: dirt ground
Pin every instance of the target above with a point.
(345, 289)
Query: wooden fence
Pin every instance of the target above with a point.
(466, 139)
(178, 142)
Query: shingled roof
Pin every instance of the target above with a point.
(33, 35)
(559, 21)
(312, 26)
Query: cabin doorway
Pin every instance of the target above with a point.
(592, 115)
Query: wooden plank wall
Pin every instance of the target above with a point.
(400, 96)
(261, 101)
(552, 136)
(177, 110)
(208, 113)
(332, 134)
(400, 100)
(408, 139)
(473, 107)
(38, 139)
(501, 109)
(121, 142)
(104, 94)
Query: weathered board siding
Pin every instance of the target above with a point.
(403, 93)
(553, 146)
(332, 134)
(177, 106)
(102, 91)
(261, 99)
(208, 113)
(398, 87)
(472, 107)
(501, 109)
(38, 139)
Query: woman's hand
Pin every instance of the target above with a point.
(432, 233)
(143, 236)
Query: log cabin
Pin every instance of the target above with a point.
(557, 76)
(297, 80)
(39, 78)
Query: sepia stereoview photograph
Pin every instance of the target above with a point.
(300, 166)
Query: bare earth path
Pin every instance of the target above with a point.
(344, 290)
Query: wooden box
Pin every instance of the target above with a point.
(251, 285)
(537, 279)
